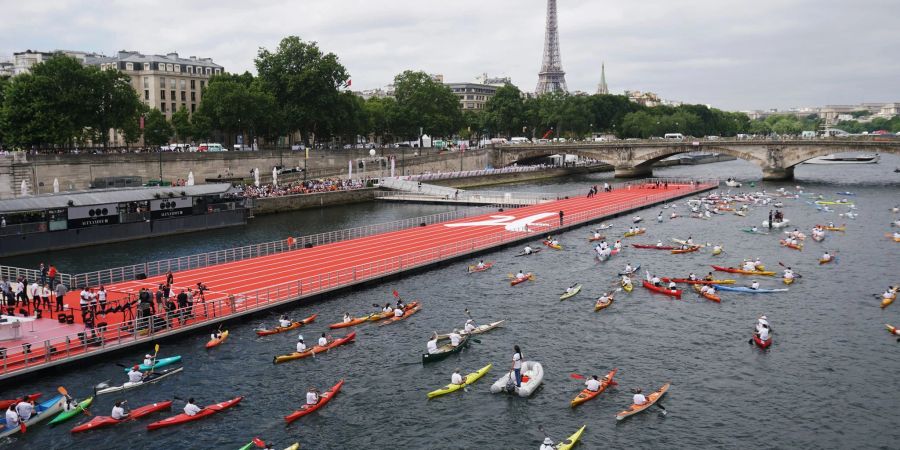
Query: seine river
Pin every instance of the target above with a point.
(828, 381)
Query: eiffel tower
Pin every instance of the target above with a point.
(551, 77)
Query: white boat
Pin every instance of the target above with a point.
(831, 159)
(152, 378)
(478, 330)
(42, 411)
(781, 224)
(531, 370)
(732, 183)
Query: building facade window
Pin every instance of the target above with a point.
(169, 68)
(171, 83)
(182, 84)
(183, 96)
(173, 95)
(193, 107)
(192, 85)
(183, 106)
(162, 82)
(202, 84)
(146, 82)
(173, 106)
(146, 94)
(190, 69)
(178, 67)
(193, 96)
(162, 95)
(129, 66)
(162, 107)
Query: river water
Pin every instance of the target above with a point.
(828, 381)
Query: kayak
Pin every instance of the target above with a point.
(793, 246)
(598, 306)
(445, 350)
(161, 362)
(787, 280)
(651, 399)
(389, 314)
(292, 326)
(761, 343)
(4, 404)
(822, 202)
(742, 271)
(533, 251)
(487, 265)
(515, 281)
(571, 440)
(892, 329)
(628, 287)
(66, 415)
(42, 412)
(154, 377)
(215, 342)
(594, 239)
(555, 247)
(323, 400)
(351, 323)
(716, 251)
(478, 330)
(707, 295)
(316, 349)
(468, 379)
(575, 290)
(750, 230)
(586, 395)
(407, 311)
(184, 418)
(747, 290)
(635, 233)
(845, 193)
(689, 281)
(674, 293)
(826, 261)
(686, 250)
(134, 414)
(634, 270)
(885, 302)
(654, 247)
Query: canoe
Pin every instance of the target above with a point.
(515, 281)
(641, 231)
(674, 293)
(487, 265)
(478, 330)
(686, 250)
(351, 323)
(532, 377)
(594, 239)
(892, 329)
(445, 350)
(407, 311)
(689, 281)
(760, 343)
(628, 287)
(575, 291)
(469, 379)
(633, 270)
(161, 362)
(215, 342)
(292, 326)
(323, 400)
(747, 290)
(586, 395)
(555, 247)
(154, 377)
(787, 280)
(742, 271)
(137, 413)
(66, 415)
(315, 350)
(42, 412)
(184, 418)
(793, 246)
(4, 404)
(651, 399)
(654, 247)
(571, 440)
(598, 306)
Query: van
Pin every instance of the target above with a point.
(673, 137)
(519, 140)
(209, 147)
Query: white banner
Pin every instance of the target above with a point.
(350, 169)
(392, 166)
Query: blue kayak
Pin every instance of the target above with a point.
(845, 193)
(161, 362)
(636, 268)
(746, 290)
(42, 411)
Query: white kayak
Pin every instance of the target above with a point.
(42, 411)
(152, 378)
(478, 330)
(781, 224)
(532, 376)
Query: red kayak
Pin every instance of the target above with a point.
(674, 293)
(760, 343)
(323, 399)
(205, 412)
(4, 404)
(292, 326)
(653, 247)
(137, 413)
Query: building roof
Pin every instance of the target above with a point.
(103, 196)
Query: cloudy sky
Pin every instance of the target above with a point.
(729, 54)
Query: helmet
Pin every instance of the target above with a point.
(136, 367)
(547, 441)
(148, 356)
(300, 337)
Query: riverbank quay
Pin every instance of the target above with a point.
(244, 281)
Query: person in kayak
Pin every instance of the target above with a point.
(470, 326)
(400, 304)
(592, 384)
(763, 321)
(618, 245)
(455, 338)
(717, 249)
(674, 215)
(554, 242)
(347, 317)
(708, 277)
(284, 321)
(527, 250)
(456, 378)
(628, 269)
(520, 275)
(571, 288)
(692, 277)
(480, 264)
(597, 234)
(689, 241)
(826, 257)
(754, 285)
(638, 399)
(626, 280)
(888, 293)
(758, 265)
(216, 336)
(548, 444)
(672, 285)
(599, 249)
(656, 281)
(710, 290)
(659, 217)
(604, 299)
(704, 288)
(135, 375)
(190, 408)
(323, 340)
(659, 243)
(12, 417)
(312, 396)
(754, 229)
(517, 365)
(118, 410)
(788, 274)
(301, 346)
(749, 266)
(431, 346)
(148, 360)
(762, 333)
(25, 409)
(387, 308)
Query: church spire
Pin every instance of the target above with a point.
(602, 88)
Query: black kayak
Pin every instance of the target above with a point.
(445, 351)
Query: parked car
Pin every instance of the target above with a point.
(211, 147)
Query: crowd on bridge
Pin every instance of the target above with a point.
(302, 187)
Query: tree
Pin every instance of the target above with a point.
(131, 130)
(181, 124)
(304, 82)
(4, 82)
(112, 102)
(424, 103)
(237, 104)
(379, 114)
(505, 111)
(157, 130)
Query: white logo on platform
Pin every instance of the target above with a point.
(509, 223)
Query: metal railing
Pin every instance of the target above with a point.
(230, 305)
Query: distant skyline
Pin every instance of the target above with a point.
(731, 55)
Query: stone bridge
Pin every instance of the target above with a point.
(776, 158)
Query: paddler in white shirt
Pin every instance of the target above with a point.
(672, 285)
(527, 250)
(659, 243)
(788, 274)
(148, 360)
(596, 234)
(398, 312)
(284, 321)
(618, 245)
(692, 277)
(754, 285)
(826, 257)
(655, 281)
(592, 384)
(455, 338)
(763, 321)
(323, 341)
(626, 280)
(347, 317)
(432, 344)
(749, 266)
(470, 326)
(520, 275)
(638, 398)
(480, 264)
(548, 444)
(135, 375)
(628, 269)
(312, 396)
(301, 346)
(118, 411)
(190, 408)
(456, 378)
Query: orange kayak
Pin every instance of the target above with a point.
(672, 292)
(712, 297)
(351, 323)
(686, 250)
(515, 281)
(292, 326)
(586, 395)
(412, 308)
(793, 246)
(215, 342)
(651, 399)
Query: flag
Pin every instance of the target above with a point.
(348, 83)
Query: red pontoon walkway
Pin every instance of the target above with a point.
(302, 272)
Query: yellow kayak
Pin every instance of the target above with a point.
(641, 231)
(717, 251)
(469, 379)
(628, 287)
(572, 440)
(788, 280)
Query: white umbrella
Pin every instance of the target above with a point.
(350, 169)
(256, 177)
(190, 180)
(24, 188)
(275, 176)
(55, 185)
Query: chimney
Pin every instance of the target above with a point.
(172, 55)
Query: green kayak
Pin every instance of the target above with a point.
(445, 350)
(66, 415)
(161, 362)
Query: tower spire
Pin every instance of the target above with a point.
(551, 77)
(602, 88)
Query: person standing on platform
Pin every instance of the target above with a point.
(51, 274)
(170, 279)
(45, 296)
(560, 218)
(60, 290)
(43, 270)
(160, 304)
(101, 299)
(182, 306)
